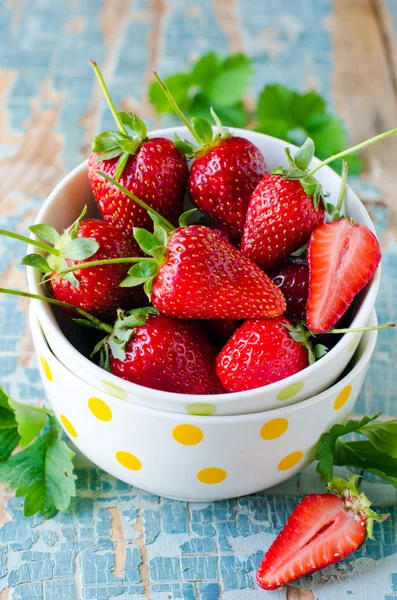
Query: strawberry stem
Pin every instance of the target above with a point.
(105, 261)
(176, 108)
(141, 203)
(107, 96)
(377, 138)
(22, 238)
(342, 191)
(359, 329)
(105, 326)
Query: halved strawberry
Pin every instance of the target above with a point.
(323, 529)
(342, 258)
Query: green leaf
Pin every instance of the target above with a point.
(231, 82)
(179, 85)
(46, 233)
(304, 156)
(301, 251)
(319, 351)
(9, 440)
(206, 68)
(184, 218)
(135, 123)
(43, 473)
(383, 435)
(109, 154)
(80, 249)
(131, 281)
(184, 146)
(37, 262)
(294, 173)
(327, 442)
(364, 456)
(203, 129)
(144, 269)
(105, 142)
(31, 421)
(121, 165)
(146, 240)
(232, 116)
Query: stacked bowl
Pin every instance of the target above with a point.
(198, 448)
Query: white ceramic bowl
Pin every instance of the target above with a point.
(191, 457)
(65, 204)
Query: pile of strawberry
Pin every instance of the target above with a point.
(219, 305)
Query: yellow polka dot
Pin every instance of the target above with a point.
(290, 461)
(290, 391)
(128, 460)
(46, 368)
(203, 409)
(68, 426)
(188, 435)
(342, 397)
(274, 429)
(99, 409)
(211, 475)
(114, 390)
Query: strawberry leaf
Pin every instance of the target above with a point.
(383, 436)
(37, 262)
(9, 436)
(364, 456)
(80, 249)
(30, 419)
(43, 473)
(326, 445)
(46, 233)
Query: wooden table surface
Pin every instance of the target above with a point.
(119, 543)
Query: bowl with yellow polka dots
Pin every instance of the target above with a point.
(192, 457)
(72, 345)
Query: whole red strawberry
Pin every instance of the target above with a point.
(342, 256)
(259, 353)
(162, 353)
(152, 169)
(292, 277)
(323, 529)
(225, 169)
(95, 289)
(283, 211)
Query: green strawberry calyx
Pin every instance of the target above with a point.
(355, 501)
(200, 129)
(301, 334)
(124, 330)
(121, 144)
(58, 248)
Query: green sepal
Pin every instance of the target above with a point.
(147, 241)
(46, 233)
(300, 333)
(304, 155)
(121, 165)
(203, 129)
(184, 218)
(134, 123)
(300, 252)
(37, 262)
(184, 146)
(80, 249)
(87, 323)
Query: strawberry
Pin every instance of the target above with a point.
(95, 289)
(153, 169)
(225, 171)
(292, 277)
(323, 529)
(342, 256)
(260, 352)
(161, 353)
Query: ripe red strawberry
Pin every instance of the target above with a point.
(153, 169)
(292, 277)
(259, 353)
(225, 171)
(342, 256)
(223, 177)
(202, 276)
(280, 219)
(163, 354)
(322, 530)
(95, 289)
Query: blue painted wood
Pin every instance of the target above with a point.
(49, 111)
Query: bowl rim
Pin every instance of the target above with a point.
(45, 312)
(362, 363)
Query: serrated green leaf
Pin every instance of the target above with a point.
(46, 233)
(383, 436)
(80, 249)
(30, 419)
(203, 129)
(37, 262)
(364, 456)
(146, 240)
(43, 473)
(326, 444)
(304, 156)
(9, 440)
(134, 123)
(231, 81)
(206, 68)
